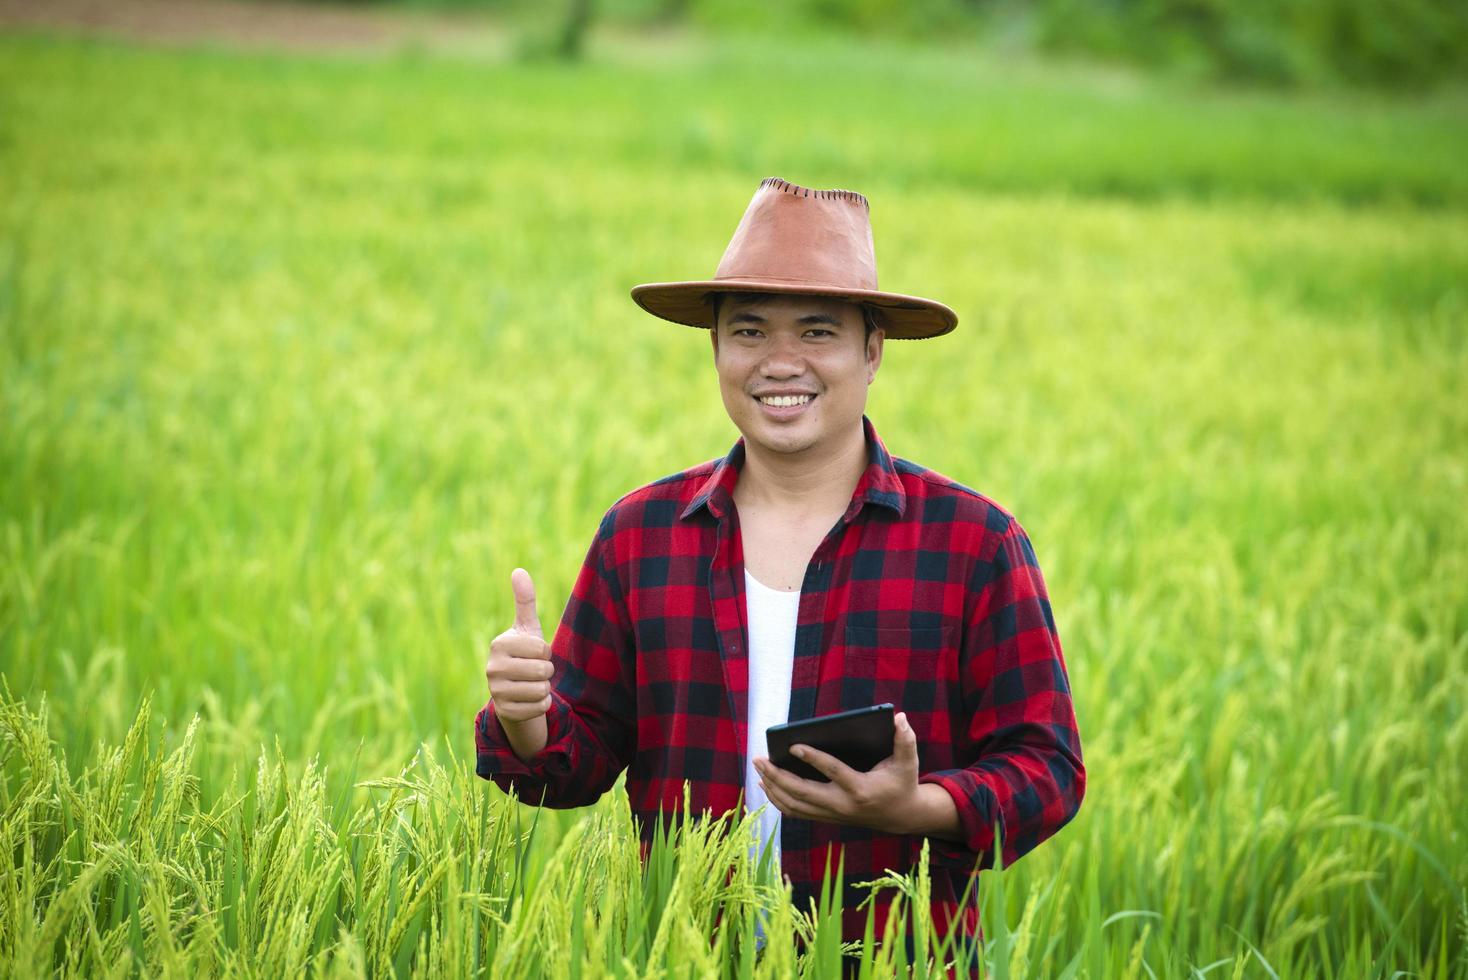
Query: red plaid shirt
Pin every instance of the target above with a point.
(925, 594)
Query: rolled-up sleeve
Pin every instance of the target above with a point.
(591, 723)
(1024, 774)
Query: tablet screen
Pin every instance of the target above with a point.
(860, 738)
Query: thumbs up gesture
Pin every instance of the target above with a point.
(519, 670)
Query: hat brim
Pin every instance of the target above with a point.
(906, 317)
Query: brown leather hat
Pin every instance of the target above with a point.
(797, 240)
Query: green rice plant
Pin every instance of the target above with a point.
(125, 868)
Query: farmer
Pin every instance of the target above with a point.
(805, 573)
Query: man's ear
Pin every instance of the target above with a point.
(874, 353)
(714, 337)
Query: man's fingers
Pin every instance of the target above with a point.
(517, 711)
(527, 620)
(797, 797)
(512, 645)
(829, 766)
(777, 799)
(519, 668)
(772, 781)
(797, 787)
(525, 692)
(537, 670)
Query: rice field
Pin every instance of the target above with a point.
(301, 355)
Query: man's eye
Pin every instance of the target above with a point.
(746, 332)
(821, 332)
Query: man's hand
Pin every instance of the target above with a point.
(888, 799)
(519, 672)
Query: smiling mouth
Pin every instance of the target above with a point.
(784, 401)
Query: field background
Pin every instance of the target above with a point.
(301, 354)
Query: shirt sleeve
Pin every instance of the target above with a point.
(591, 723)
(1024, 773)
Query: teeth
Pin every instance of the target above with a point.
(785, 401)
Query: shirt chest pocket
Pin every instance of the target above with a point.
(915, 669)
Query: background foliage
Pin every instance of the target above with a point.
(299, 356)
(1409, 44)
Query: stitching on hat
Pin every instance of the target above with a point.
(798, 191)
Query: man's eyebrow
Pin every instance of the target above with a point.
(821, 318)
(746, 318)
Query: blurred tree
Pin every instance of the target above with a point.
(573, 30)
(1400, 44)
(1408, 43)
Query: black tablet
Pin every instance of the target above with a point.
(860, 738)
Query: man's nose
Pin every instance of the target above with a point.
(783, 358)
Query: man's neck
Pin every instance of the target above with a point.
(802, 483)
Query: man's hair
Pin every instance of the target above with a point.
(870, 318)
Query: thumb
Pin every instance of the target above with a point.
(906, 746)
(526, 618)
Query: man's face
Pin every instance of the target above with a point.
(794, 370)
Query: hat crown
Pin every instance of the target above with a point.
(795, 234)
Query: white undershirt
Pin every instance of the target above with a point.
(772, 618)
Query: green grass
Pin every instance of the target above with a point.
(300, 357)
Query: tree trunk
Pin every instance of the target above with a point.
(573, 32)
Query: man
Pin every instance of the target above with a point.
(808, 572)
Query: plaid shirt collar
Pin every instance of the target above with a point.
(878, 483)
